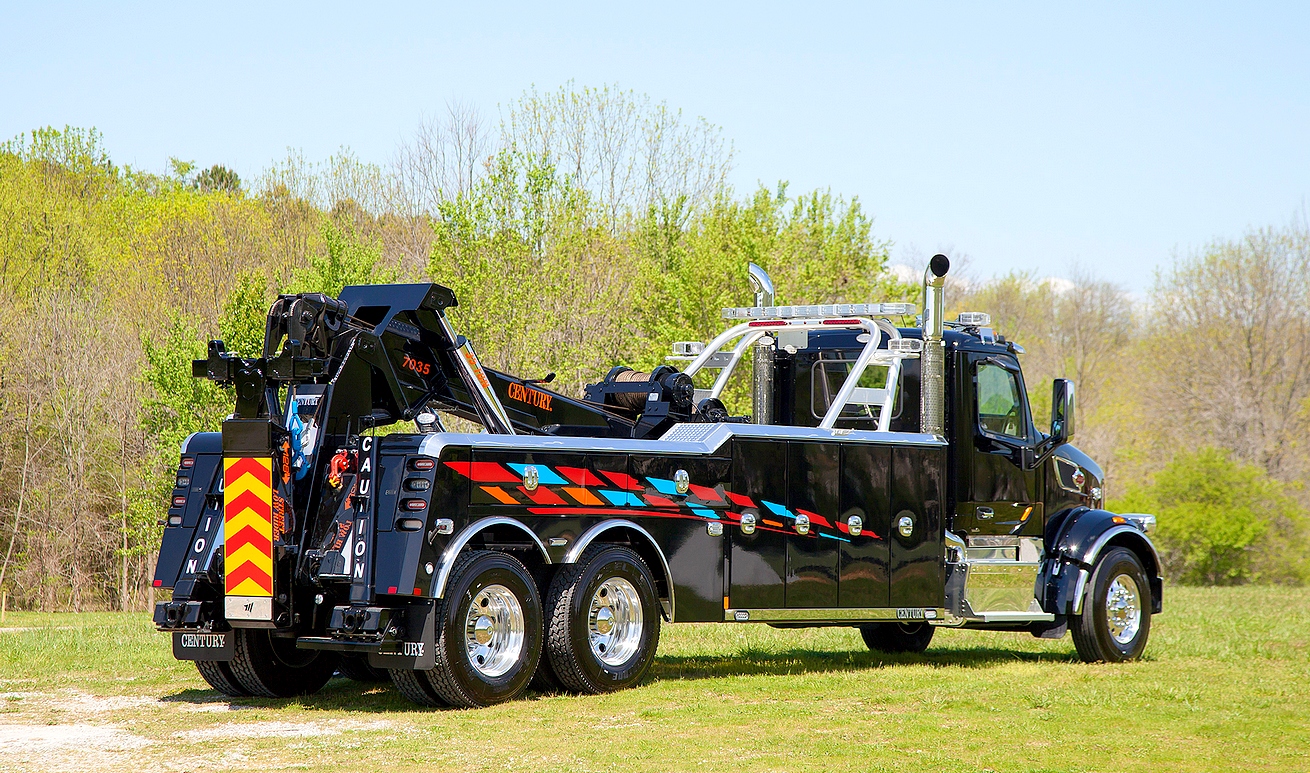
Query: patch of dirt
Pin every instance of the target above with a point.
(233, 730)
(78, 701)
(62, 747)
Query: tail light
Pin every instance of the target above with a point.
(414, 504)
(422, 464)
(188, 461)
(179, 501)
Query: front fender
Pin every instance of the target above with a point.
(1075, 539)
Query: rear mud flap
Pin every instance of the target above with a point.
(412, 645)
(957, 577)
(196, 645)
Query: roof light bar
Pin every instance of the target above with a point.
(974, 318)
(822, 311)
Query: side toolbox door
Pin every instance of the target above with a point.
(757, 563)
(917, 547)
(866, 494)
(813, 481)
(683, 525)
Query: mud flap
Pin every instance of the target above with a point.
(412, 645)
(196, 645)
(957, 577)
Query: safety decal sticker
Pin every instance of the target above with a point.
(248, 530)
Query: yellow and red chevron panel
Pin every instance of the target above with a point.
(248, 526)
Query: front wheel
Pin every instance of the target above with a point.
(897, 637)
(1116, 611)
(603, 620)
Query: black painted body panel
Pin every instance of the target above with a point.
(813, 483)
(758, 564)
(918, 561)
(866, 492)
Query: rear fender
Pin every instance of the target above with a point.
(1075, 540)
(626, 532)
(470, 532)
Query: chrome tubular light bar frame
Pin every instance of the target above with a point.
(872, 353)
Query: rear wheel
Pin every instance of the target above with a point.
(219, 676)
(415, 686)
(489, 635)
(1116, 611)
(271, 666)
(897, 637)
(356, 667)
(604, 618)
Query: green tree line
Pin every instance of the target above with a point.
(586, 228)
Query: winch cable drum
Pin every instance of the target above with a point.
(677, 385)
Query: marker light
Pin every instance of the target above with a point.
(974, 318)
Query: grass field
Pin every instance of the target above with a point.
(1225, 686)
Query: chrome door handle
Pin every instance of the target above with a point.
(984, 513)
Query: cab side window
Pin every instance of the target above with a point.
(1000, 401)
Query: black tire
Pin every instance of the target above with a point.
(356, 667)
(415, 686)
(272, 667)
(569, 607)
(1092, 635)
(219, 676)
(897, 637)
(545, 681)
(456, 679)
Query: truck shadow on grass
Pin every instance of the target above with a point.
(343, 694)
(752, 662)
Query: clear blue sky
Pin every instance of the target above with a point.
(1028, 136)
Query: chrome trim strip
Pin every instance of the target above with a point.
(1059, 479)
(1094, 551)
(458, 544)
(709, 438)
(591, 534)
(828, 615)
(187, 442)
(1078, 588)
(1016, 617)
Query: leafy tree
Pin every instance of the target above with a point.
(348, 260)
(1222, 522)
(243, 319)
(217, 178)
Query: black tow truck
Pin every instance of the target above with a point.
(889, 478)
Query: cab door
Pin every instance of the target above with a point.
(1004, 494)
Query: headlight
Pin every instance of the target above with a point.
(1143, 521)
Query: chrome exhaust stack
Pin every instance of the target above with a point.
(762, 389)
(932, 381)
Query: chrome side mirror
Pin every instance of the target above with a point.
(1062, 410)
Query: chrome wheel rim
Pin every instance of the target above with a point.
(614, 621)
(1123, 609)
(494, 631)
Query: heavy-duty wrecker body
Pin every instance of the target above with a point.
(889, 478)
